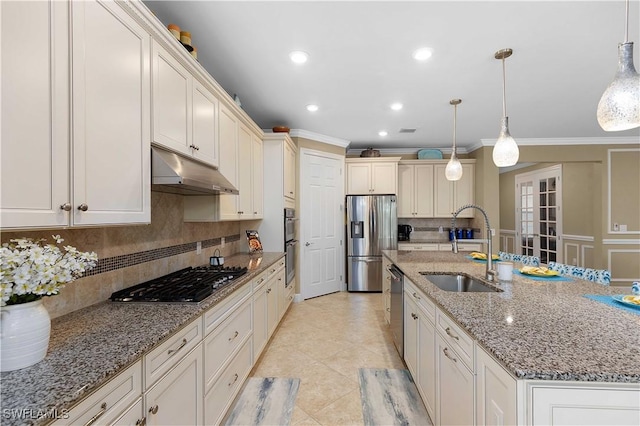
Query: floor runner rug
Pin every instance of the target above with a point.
(265, 401)
(389, 397)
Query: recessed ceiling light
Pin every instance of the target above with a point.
(422, 54)
(312, 108)
(383, 133)
(396, 106)
(298, 56)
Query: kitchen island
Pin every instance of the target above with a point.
(544, 334)
(91, 346)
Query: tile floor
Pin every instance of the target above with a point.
(323, 341)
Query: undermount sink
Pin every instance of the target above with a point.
(461, 283)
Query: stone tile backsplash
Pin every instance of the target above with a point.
(129, 255)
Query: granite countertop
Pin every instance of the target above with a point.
(91, 345)
(536, 329)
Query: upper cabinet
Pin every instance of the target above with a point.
(425, 192)
(368, 176)
(451, 195)
(289, 169)
(185, 112)
(96, 171)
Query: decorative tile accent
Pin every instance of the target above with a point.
(118, 262)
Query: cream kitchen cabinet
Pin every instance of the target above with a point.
(455, 387)
(372, 176)
(449, 196)
(419, 342)
(290, 169)
(91, 172)
(496, 392)
(415, 190)
(185, 112)
(260, 306)
(177, 398)
(418, 247)
(386, 289)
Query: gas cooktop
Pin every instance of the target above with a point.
(185, 285)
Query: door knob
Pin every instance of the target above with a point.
(307, 244)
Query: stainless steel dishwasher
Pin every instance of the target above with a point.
(397, 315)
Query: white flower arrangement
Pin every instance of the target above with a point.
(31, 269)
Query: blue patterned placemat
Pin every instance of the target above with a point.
(480, 260)
(608, 300)
(535, 278)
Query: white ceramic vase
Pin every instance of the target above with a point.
(24, 335)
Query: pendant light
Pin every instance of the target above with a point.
(453, 171)
(505, 151)
(619, 107)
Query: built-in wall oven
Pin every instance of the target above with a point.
(290, 244)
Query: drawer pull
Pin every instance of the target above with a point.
(142, 422)
(174, 351)
(414, 316)
(260, 281)
(235, 379)
(416, 296)
(268, 290)
(154, 409)
(273, 270)
(92, 420)
(290, 297)
(388, 310)
(234, 336)
(446, 353)
(448, 330)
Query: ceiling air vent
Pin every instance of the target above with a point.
(403, 130)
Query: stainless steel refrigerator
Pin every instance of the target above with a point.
(372, 226)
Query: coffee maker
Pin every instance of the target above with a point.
(404, 231)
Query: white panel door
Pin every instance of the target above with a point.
(322, 222)
(111, 116)
(35, 114)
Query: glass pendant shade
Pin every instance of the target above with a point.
(505, 151)
(453, 171)
(619, 107)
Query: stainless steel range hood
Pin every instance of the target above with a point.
(177, 174)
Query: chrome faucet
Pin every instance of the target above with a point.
(491, 273)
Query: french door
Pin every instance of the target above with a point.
(538, 214)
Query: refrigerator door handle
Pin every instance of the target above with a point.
(367, 260)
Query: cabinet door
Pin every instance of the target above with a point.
(205, 122)
(111, 116)
(495, 392)
(358, 178)
(171, 101)
(228, 161)
(272, 305)
(245, 199)
(406, 191)
(443, 193)
(132, 417)
(257, 176)
(384, 178)
(426, 377)
(465, 190)
(423, 187)
(177, 398)
(455, 394)
(289, 171)
(411, 336)
(35, 114)
(260, 325)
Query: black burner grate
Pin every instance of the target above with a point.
(185, 285)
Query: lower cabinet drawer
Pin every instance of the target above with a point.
(225, 339)
(134, 416)
(166, 356)
(108, 402)
(458, 339)
(221, 394)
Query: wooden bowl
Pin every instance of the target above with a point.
(280, 129)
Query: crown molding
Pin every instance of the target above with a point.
(405, 151)
(622, 140)
(300, 133)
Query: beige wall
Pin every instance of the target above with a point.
(585, 202)
(166, 229)
(487, 193)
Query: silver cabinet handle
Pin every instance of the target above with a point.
(83, 207)
(416, 296)
(414, 316)
(234, 336)
(260, 281)
(92, 420)
(66, 207)
(154, 409)
(448, 330)
(388, 310)
(235, 379)
(269, 290)
(174, 351)
(273, 270)
(446, 353)
(142, 422)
